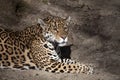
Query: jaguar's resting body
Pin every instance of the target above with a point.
(32, 48)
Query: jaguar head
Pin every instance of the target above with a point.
(55, 29)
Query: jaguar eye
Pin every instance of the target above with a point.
(55, 29)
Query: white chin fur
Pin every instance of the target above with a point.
(62, 44)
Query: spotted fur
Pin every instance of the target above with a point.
(52, 63)
(32, 48)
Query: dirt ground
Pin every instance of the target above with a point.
(94, 33)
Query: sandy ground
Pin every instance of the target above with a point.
(94, 33)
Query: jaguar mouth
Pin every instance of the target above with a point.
(62, 44)
(59, 43)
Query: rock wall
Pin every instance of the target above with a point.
(94, 33)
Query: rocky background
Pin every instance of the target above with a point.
(94, 33)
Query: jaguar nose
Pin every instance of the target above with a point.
(63, 37)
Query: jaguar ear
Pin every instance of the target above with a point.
(42, 23)
(68, 19)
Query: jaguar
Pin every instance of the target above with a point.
(33, 47)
